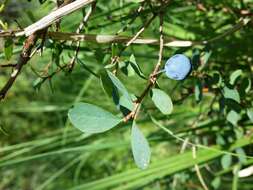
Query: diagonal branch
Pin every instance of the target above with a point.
(23, 59)
(54, 16)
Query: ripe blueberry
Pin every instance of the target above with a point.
(178, 67)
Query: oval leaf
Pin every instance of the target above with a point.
(226, 161)
(92, 119)
(140, 148)
(162, 101)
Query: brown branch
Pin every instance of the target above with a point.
(8, 65)
(23, 59)
(152, 79)
(124, 39)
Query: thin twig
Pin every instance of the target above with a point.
(23, 59)
(140, 31)
(152, 80)
(202, 182)
(137, 12)
(79, 29)
(8, 65)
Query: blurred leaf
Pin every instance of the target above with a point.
(226, 161)
(233, 117)
(135, 1)
(115, 49)
(198, 90)
(239, 132)
(162, 101)
(37, 83)
(92, 119)
(245, 86)
(242, 156)
(220, 140)
(216, 182)
(216, 79)
(236, 169)
(231, 94)
(196, 58)
(140, 148)
(206, 56)
(234, 76)
(250, 114)
(8, 48)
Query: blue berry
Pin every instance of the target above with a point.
(178, 67)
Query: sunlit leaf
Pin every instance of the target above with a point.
(92, 119)
(231, 94)
(234, 76)
(233, 117)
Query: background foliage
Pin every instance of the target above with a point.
(213, 107)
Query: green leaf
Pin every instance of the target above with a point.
(119, 85)
(245, 86)
(234, 76)
(250, 114)
(198, 91)
(206, 56)
(162, 101)
(37, 83)
(140, 148)
(135, 1)
(109, 87)
(115, 49)
(196, 58)
(126, 103)
(216, 182)
(233, 117)
(226, 161)
(242, 155)
(92, 119)
(136, 67)
(216, 80)
(231, 94)
(126, 68)
(169, 165)
(8, 48)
